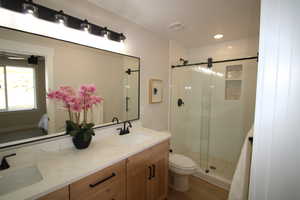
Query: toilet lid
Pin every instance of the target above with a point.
(181, 161)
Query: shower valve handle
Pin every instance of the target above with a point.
(180, 102)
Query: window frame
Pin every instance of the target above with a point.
(6, 110)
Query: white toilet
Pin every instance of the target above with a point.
(180, 168)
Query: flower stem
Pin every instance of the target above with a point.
(70, 114)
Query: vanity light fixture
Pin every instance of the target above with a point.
(30, 8)
(218, 36)
(86, 26)
(60, 18)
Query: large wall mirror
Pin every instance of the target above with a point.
(32, 65)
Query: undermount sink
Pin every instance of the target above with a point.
(12, 180)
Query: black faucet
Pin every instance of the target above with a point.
(4, 164)
(125, 130)
(115, 119)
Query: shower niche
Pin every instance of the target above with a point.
(233, 82)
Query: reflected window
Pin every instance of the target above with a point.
(17, 88)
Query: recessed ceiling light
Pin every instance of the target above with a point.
(218, 36)
(16, 58)
(229, 47)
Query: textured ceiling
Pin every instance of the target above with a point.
(202, 19)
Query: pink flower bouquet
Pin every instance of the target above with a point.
(77, 103)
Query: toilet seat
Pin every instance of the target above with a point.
(181, 164)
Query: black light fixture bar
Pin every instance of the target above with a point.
(210, 62)
(49, 14)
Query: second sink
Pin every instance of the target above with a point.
(12, 180)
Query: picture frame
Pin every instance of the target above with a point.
(155, 91)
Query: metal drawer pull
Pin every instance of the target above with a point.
(153, 176)
(102, 181)
(150, 172)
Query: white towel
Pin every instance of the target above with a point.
(240, 183)
(43, 123)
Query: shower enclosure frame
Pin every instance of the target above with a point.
(209, 63)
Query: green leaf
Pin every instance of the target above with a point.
(73, 133)
(70, 125)
(89, 125)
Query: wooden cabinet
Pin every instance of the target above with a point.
(147, 174)
(143, 176)
(107, 184)
(61, 194)
(138, 174)
(160, 166)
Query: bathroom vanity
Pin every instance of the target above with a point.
(141, 176)
(114, 167)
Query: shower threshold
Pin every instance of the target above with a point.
(213, 179)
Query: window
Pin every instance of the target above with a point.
(17, 88)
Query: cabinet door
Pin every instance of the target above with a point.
(62, 194)
(138, 174)
(159, 181)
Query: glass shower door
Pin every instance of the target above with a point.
(190, 106)
(232, 114)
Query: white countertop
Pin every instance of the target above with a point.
(60, 168)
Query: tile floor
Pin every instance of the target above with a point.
(200, 190)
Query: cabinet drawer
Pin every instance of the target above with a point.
(108, 183)
(112, 191)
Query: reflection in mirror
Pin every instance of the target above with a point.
(31, 66)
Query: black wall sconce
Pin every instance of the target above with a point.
(42, 12)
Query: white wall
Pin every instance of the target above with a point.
(176, 51)
(247, 47)
(153, 50)
(276, 160)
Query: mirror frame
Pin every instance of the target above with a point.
(63, 134)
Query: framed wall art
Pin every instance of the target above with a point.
(155, 91)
